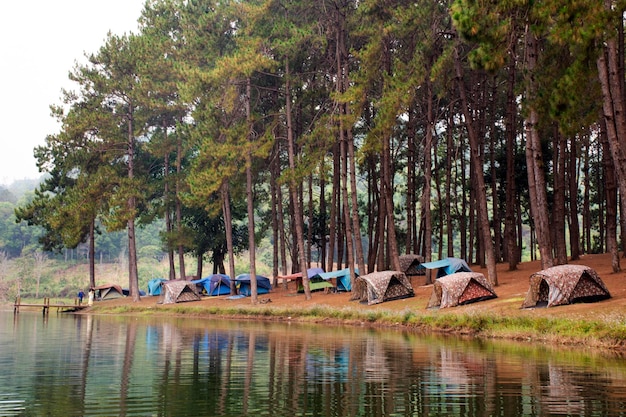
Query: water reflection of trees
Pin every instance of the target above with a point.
(289, 371)
(183, 368)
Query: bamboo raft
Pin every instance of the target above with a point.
(47, 305)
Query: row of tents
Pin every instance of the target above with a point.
(551, 287)
(175, 291)
(373, 288)
(456, 284)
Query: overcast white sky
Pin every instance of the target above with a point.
(40, 40)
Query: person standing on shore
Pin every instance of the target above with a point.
(81, 295)
(91, 296)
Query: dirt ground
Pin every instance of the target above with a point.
(511, 290)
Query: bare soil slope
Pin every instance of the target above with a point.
(511, 291)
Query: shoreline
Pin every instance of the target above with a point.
(604, 335)
(600, 325)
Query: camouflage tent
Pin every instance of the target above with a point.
(460, 288)
(178, 291)
(409, 264)
(565, 284)
(379, 287)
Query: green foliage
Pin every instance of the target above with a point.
(159, 122)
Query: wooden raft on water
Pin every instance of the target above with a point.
(47, 305)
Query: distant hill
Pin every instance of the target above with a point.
(6, 196)
(15, 191)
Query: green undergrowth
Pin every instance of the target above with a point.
(607, 333)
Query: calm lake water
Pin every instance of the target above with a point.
(120, 366)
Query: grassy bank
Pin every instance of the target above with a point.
(605, 333)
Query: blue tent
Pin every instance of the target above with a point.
(154, 286)
(214, 284)
(447, 266)
(263, 284)
(341, 277)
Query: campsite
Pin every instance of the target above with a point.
(326, 306)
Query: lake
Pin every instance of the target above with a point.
(82, 365)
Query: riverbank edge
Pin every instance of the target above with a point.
(605, 334)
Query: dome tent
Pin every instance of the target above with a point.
(460, 288)
(244, 285)
(108, 292)
(178, 291)
(565, 284)
(214, 284)
(379, 287)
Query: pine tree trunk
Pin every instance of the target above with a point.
(476, 163)
(179, 211)
(464, 215)
(281, 225)
(353, 223)
(92, 253)
(374, 219)
(168, 215)
(293, 252)
(611, 204)
(381, 244)
(341, 235)
(392, 243)
(449, 163)
(510, 235)
(411, 206)
(574, 227)
(558, 212)
(228, 227)
(311, 217)
(586, 214)
(275, 236)
(332, 232)
(613, 105)
(323, 234)
(356, 221)
(534, 161)
(199, 265)
(472, 246)
(133, 273)
(345, 200)
(439, 199)
(428, 150)
(250, 200)
(294, 189)
(496, 204)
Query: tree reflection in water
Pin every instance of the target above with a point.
(213, 367)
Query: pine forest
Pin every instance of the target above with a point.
(347, 133)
